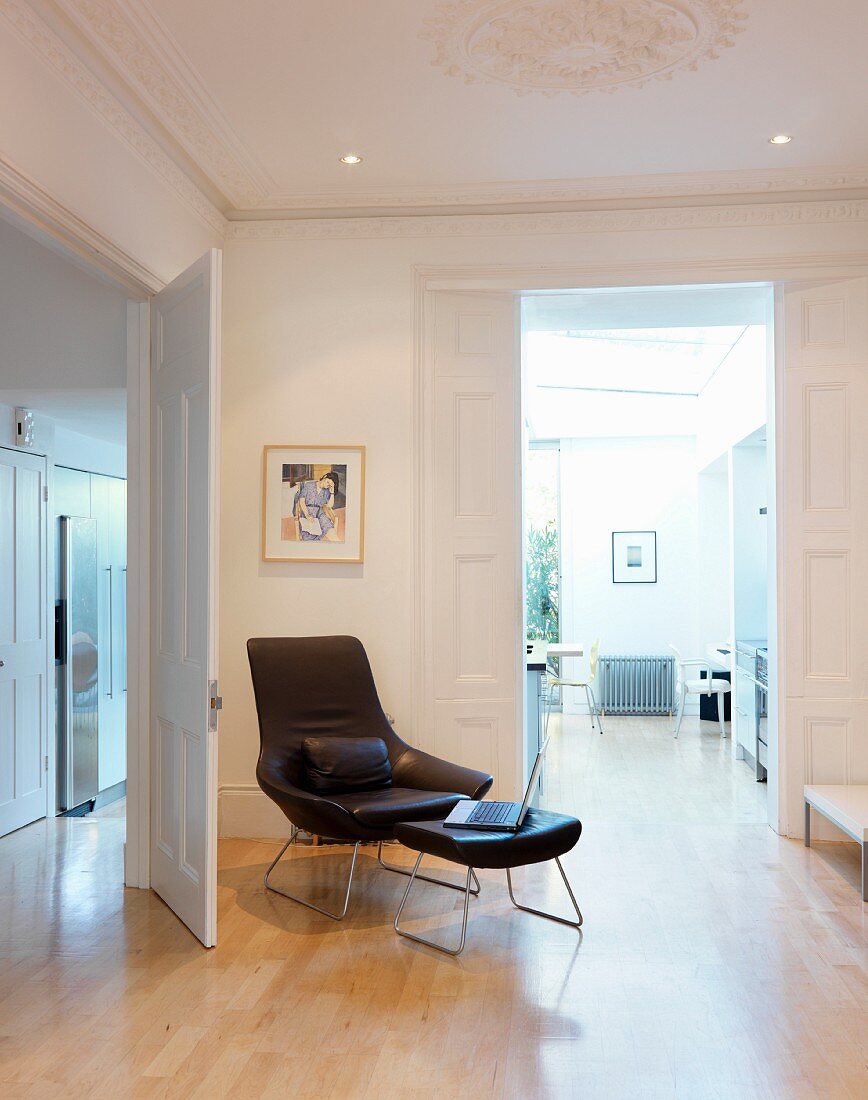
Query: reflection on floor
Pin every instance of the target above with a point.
(638, 772)
(718, 960)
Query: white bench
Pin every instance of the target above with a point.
(845, 805)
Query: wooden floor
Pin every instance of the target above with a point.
(717, 960)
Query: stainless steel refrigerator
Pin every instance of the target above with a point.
(77, 656)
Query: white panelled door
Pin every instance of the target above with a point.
(185, 319)
(824, 647)
(471, 513)
(23, 640)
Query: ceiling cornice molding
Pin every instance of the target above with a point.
(131, 38)
(761, 181)
(744, 215)
(34, 205)
(55, 52)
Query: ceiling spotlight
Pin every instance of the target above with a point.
(780, 139)
(351, 158)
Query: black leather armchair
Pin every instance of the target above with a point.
(320, 688)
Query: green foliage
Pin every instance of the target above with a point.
(542, 583)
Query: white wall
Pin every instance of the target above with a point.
(82, 452)
(641, 484)
(733, 404)
(715, 557)
(59, 327)
(318, 347)
(62, 345)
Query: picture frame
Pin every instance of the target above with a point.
(313, 503)
(634, 557)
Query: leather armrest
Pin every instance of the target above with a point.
(311, 812)
(422, 772)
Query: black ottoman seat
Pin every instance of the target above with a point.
(543, 836)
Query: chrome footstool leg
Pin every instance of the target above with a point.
(424, 878)
(310, 904)
(539, 912)
(421, 939)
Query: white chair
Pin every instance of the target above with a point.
(709, 686)
(559, 682)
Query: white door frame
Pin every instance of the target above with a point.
(137, 848)
(55, 227)
(771, 270)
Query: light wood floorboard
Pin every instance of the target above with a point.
(718, 960)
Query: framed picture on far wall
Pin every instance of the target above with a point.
(313, 503)
(634, 557)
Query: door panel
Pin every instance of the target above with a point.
(184, 421)
(825, 481)
(472, 513)
(23, 640)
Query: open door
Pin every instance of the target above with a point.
(472, 501)
(184, 413)
(824, 476)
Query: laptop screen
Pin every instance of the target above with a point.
(532, 782)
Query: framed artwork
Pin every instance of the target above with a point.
(313, 503)
(634, 557)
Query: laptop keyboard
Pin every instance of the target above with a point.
(492, 813)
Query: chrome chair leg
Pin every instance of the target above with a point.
(596, 708)
(680, 713)
(539, 912)
(424, 878)
(421, 939)
(310, 904)
(590, 706)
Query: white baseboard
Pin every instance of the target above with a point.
(244, 810)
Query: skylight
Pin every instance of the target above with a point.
(673, 361)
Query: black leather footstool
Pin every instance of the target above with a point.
(543, 836)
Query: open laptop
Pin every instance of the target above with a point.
(507, 816)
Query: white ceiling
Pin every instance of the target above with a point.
(264, 98)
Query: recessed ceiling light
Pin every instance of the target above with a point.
(351, 158)
(780, 139)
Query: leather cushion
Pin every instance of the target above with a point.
(386, 807)
(542, 836)
(336, 764)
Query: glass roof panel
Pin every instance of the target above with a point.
(671, 360)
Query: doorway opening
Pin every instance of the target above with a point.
(649, 550)
(63, 564)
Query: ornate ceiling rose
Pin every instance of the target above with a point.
(553, 46)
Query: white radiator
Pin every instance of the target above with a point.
(637, 684)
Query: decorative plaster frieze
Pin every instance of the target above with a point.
(578, 46)
(42, 39)
(608, 221)
(129, 35)
(133, 40)
(599, 189)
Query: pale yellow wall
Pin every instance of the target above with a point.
(318, 347)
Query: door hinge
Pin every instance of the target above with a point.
(46, 763)
(215, 704)
(45, 493)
